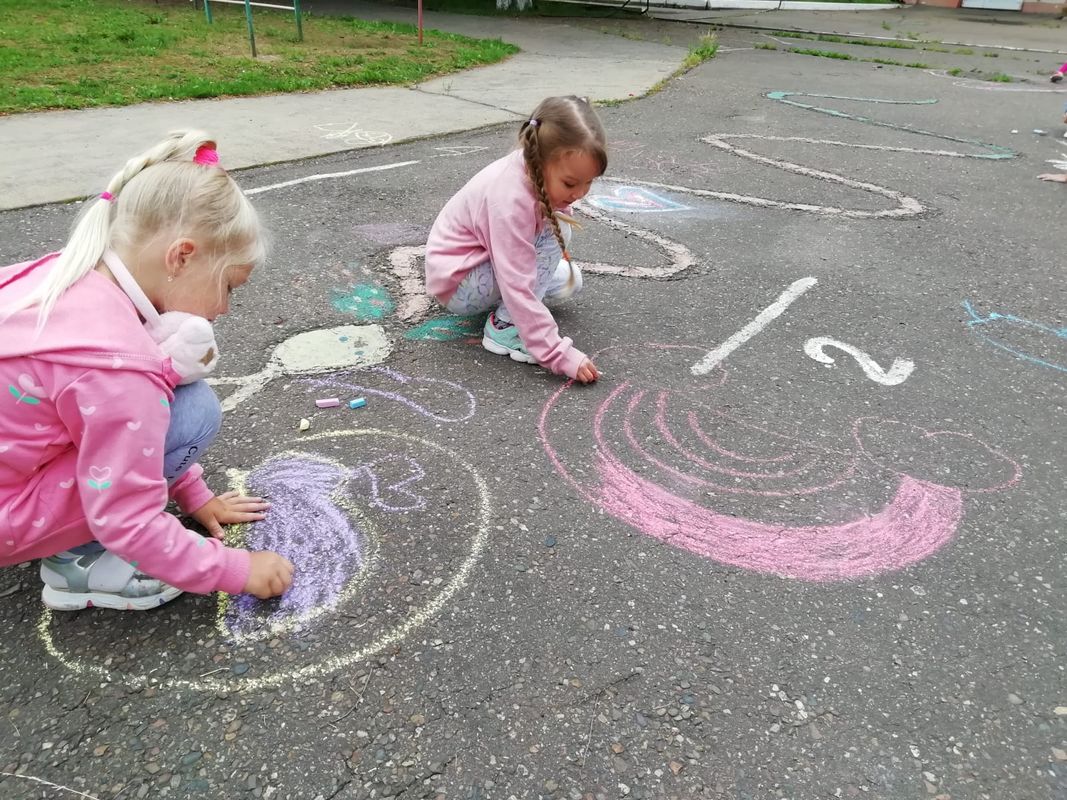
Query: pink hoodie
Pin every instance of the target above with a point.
(84, 411)
(496, 217)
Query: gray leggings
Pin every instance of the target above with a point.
(478, 292)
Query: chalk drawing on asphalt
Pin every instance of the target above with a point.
(716, 356)
(317, 351)
(634, 199)
(898, 371)
(459, 150)
(671, 461)
(1033, 342)
(353, 135)
(364, 301)
(402, 485)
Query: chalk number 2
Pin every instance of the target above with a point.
(897, 373)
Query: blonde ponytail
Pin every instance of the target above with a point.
(161, 190)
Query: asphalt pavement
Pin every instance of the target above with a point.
(803, 540)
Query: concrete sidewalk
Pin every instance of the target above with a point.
(955, 26)
(63, 155)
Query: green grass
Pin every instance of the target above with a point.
(848, 57)
(955, 72)
(766, 46)
(85, 53)
(1000, 77)
(833, 38)
(822, 54)
(703, 50)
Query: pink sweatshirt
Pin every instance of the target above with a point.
(84, 411)
(496, 217)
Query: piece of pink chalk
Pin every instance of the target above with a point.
(328, 402)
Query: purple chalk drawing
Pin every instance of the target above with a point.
(395, 496)
(306, 526)
(352, 383)
(312, 525)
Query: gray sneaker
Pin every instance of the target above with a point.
(99, 579)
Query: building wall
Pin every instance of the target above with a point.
(1029, 7)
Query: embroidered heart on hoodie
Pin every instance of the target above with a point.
(99, 477)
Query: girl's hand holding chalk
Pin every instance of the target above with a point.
(270, 576)
(587, 372)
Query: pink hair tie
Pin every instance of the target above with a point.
(532, 123)
(107, 196)
(206, 155)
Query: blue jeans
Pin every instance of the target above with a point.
(195, 419)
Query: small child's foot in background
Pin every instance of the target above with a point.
(1056, 77)
(99, 579)
(503, 339)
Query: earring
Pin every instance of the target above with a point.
(170, 279)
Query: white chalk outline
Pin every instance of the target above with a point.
(49, 783)
(353, 135)
(414, 303)
(758, 323)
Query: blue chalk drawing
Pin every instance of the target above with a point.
(365, 302)
(635, 199)
(977, 321)
(447, 329)
(996, 152)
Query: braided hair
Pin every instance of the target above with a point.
(560, 125)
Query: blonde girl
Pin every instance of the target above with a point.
(102, 354)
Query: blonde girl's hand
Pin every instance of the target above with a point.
(1053, 177)
(270, 575)
(228, 509)
(587, 372)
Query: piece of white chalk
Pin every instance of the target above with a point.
(359, 402)
(328, 402)
(305, 424)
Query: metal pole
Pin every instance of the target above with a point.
(299, 24)
(251, 30)
(207, 11)
(420, 23)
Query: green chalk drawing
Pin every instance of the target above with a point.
(447, 329)
(365, 302)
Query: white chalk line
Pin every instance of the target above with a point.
(49, 783)
(328, 176)
(758, 323)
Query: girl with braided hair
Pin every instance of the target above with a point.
(102, 354)
(500, 243)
